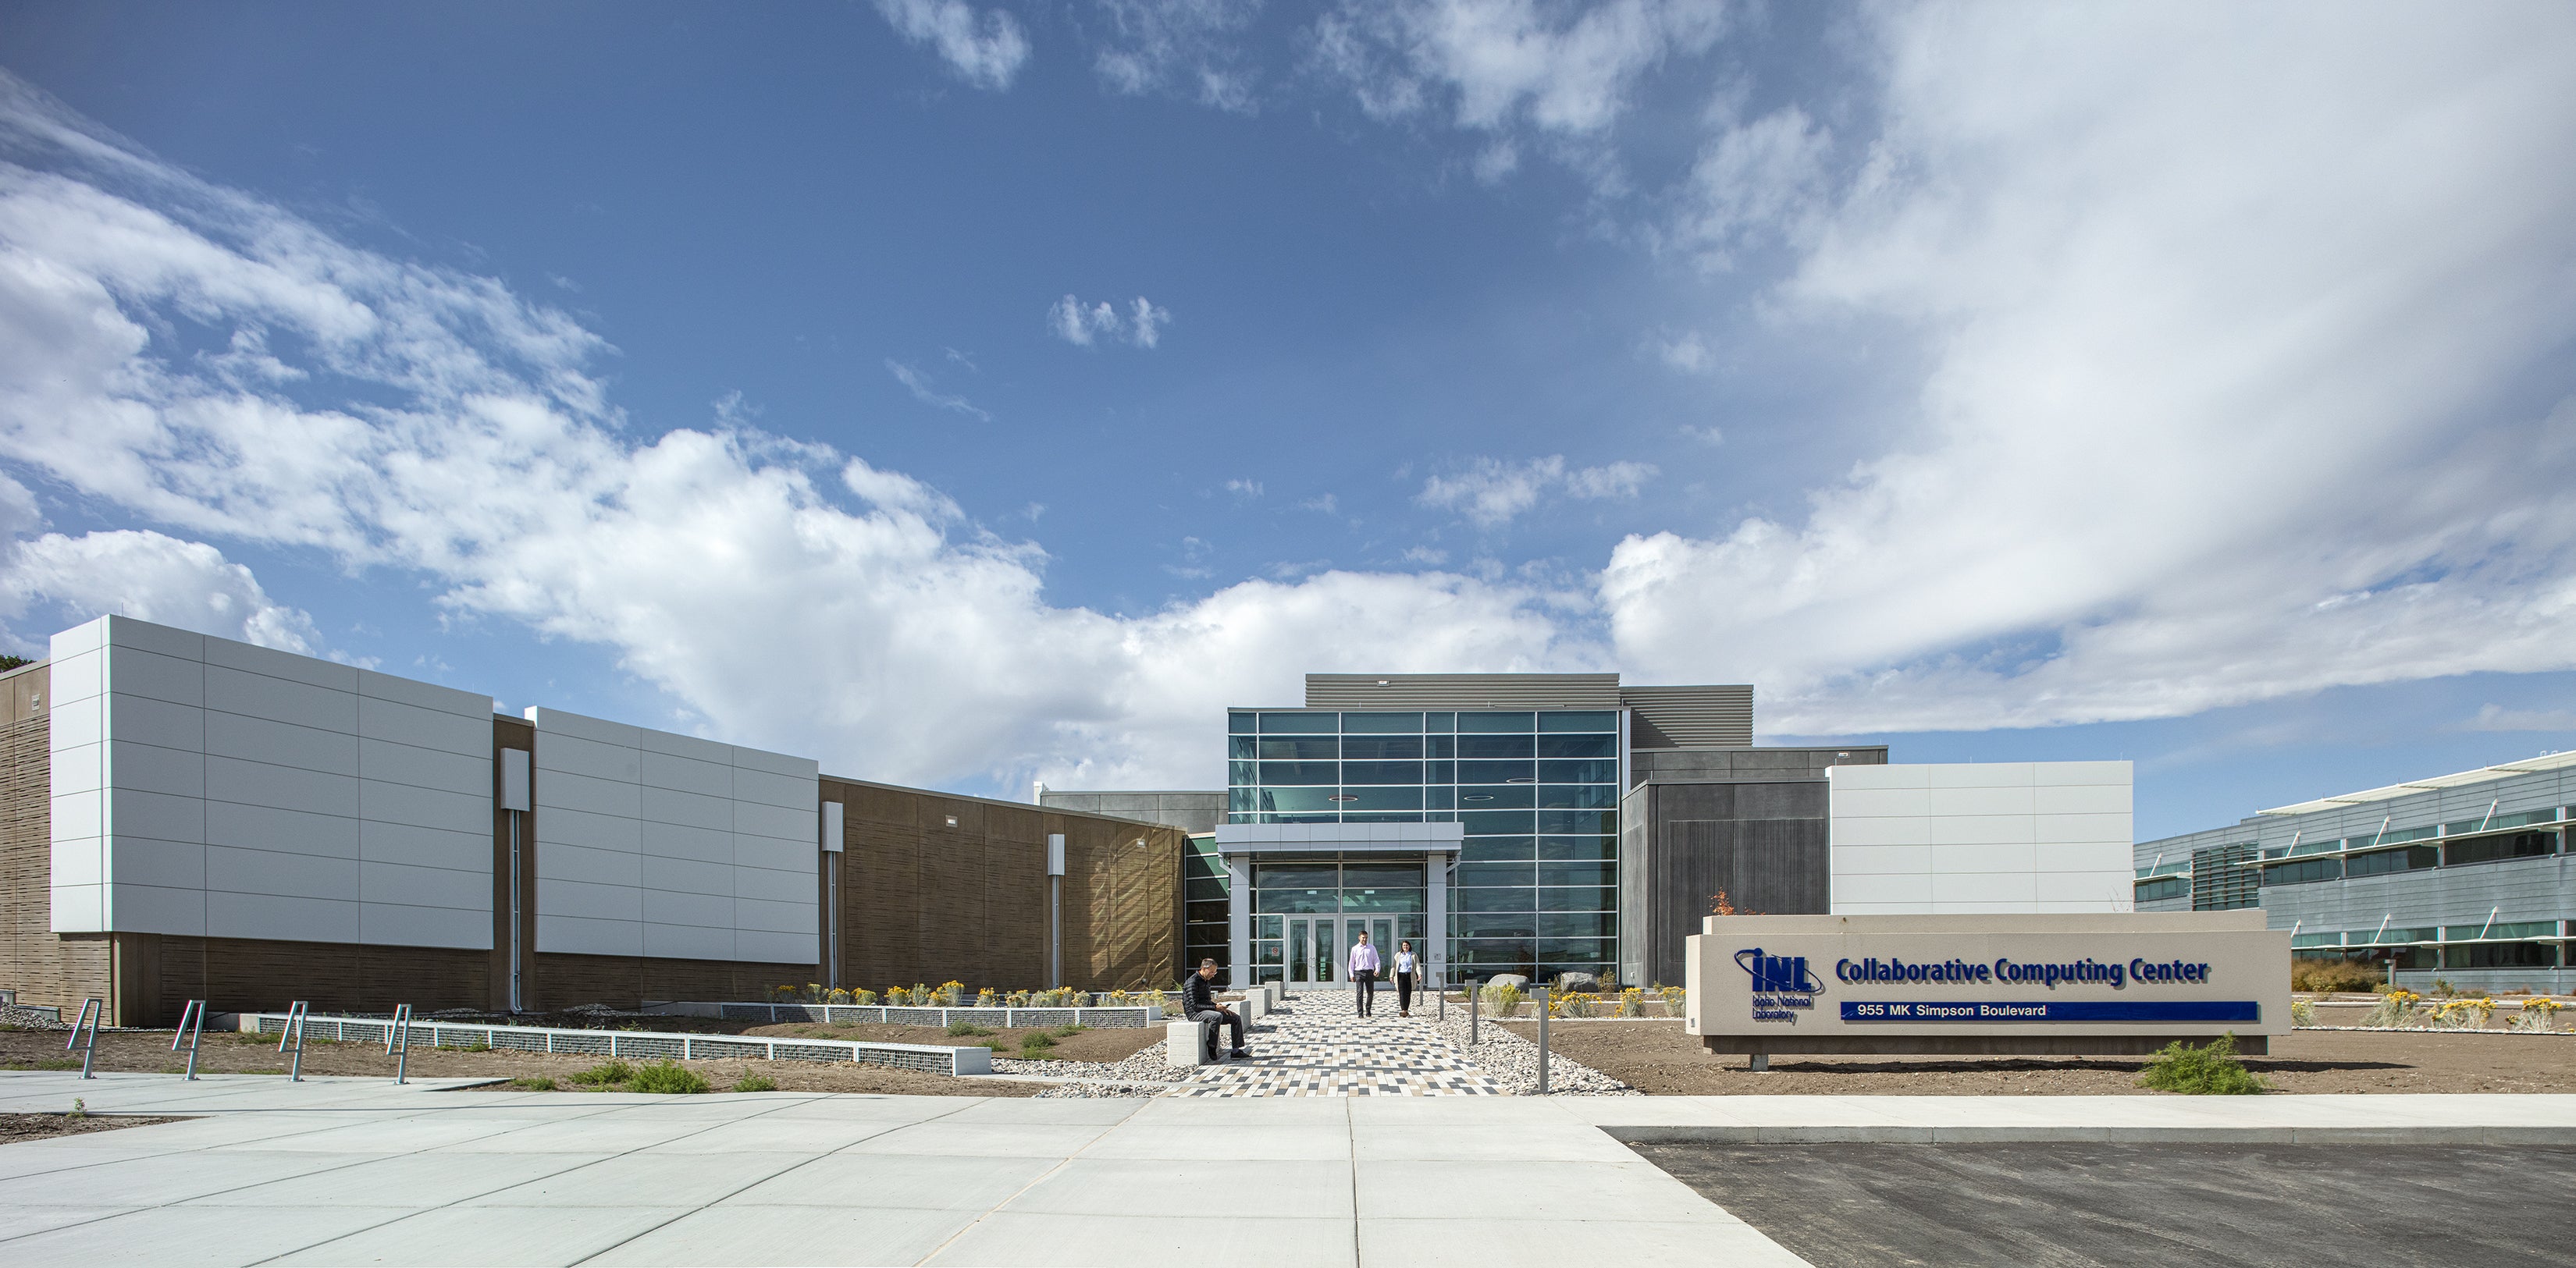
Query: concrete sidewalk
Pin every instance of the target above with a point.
(359, 1171)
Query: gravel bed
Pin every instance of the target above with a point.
(1144, 1067)
(26, 1018)
(1106, 1091)
(1512, 1062)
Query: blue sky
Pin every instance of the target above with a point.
(2192, 387)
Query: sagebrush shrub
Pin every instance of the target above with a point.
(2209, 1070)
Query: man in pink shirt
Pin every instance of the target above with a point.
(1364, 966)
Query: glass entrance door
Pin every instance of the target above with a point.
(1314, 948)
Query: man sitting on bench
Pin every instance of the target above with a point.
(1198, 1003)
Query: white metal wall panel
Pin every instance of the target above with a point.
(1981, 837)
(205, 786)
(671, 846)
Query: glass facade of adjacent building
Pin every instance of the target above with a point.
(1535, 889)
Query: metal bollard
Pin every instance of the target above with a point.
(1542, 1041)
(192, 1034)
(93, 1011)
(294, 1030)
(401, 1032)
(1471, 1015)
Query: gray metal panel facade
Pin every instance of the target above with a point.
(1764, 843)
(1690, 717)
(1736, 764)
(1462, 691)
(1196, 812)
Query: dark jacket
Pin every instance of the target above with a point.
(1198, 995)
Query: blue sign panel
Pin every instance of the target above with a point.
(2090, 1010)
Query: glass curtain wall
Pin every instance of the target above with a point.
(1203, 912)
(1537, 794)
(1306, 913)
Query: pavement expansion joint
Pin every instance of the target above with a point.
(1319, 1045)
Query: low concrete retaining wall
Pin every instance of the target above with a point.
(1122, 1018)
(933, 1059)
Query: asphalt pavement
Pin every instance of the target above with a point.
(2065, 1204)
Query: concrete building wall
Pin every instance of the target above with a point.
(1982, 837)
(205, 787)
(671, 847)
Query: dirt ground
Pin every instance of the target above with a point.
(1657, 1058)
(1099, 1044)
(233, 1053)
(17, 1127)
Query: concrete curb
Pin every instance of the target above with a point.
(1984, 1135)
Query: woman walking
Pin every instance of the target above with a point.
(1406, 969)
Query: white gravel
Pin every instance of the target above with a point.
(1512, 1062)
(1146, 1066)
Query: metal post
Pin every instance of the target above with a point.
(93, 1011)
(294, 1030)
(1055, 910)
(1472, 1041)
(1542, 1041)
(398, 1040)
(194, 1034)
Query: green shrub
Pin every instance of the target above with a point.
(667, 1078)
(534, 1083)
(1065, 1032)
(1035, 1042)
(2209, 1070)
(1503, 1000)
(605, 1073)
(755, 1083)
(962, 1029)
(2303, 1013)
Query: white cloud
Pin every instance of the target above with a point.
(473, 449)
(1150, 45)
(1078, 323)
(1489, 492)
(1492, 64)
(2244, 332)
(141, 574)
(1244, 488)
(986, 50)
(2495, 717)
(919, 385)
(1756, 182)
(1687, 352)
(1146, 321)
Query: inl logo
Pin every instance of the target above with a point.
(1773, 973)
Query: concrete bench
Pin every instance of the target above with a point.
(1181, 1047)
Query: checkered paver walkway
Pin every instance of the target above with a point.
(1320, 1046)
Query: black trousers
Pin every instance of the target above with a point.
(1366, 983)
(1404, 992)
(1206, 1015)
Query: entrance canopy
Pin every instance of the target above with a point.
(1296, 941)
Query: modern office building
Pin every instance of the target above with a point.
(1541, 823)
(187, 817)
(2463, 877)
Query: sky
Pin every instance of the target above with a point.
(967, 394)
